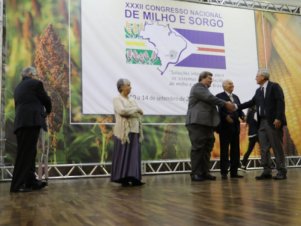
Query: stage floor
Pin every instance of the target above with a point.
(163, 200)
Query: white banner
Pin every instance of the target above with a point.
(161, 47)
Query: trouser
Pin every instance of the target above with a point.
(251, 145)
(229, 142)
(202, 141)
(270, 137)
(24, 169)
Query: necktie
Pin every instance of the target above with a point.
(261, 106)
(262, 91)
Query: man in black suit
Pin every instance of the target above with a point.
(229, 129)
(201, 119)
(32, 104)
(270, 107)
(251, 122)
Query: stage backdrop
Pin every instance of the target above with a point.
(81, 48)
(161, 47)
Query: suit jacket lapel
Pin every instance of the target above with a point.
(268, 90)
(234, 98)
(227, 98)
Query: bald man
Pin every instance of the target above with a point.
(229, 129)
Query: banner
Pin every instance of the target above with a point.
(162, 47)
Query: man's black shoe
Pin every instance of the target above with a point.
(236, 176)
(38, 185)
(209, 177)
(224, 176)
(197, 178)
(264, 177)
(279, 177)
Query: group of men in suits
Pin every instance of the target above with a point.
(203, 118)
(32, 105)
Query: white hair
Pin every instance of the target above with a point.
(29, 71)
(264, 72)
(121, 82)
(225, 82)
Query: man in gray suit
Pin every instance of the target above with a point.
(201, 119)
(270, 106)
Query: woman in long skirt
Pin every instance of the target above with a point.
(126, 158)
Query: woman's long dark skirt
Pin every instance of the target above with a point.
(126, 159)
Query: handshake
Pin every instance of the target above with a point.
(230, 106)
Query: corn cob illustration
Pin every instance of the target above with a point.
(264, 42)
(286, 43)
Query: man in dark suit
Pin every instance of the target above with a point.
(251, 122)
(270, 107)
(201, 119)
(229, 129)
(32, 104)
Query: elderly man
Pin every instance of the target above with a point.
(229, 129)
(270, 107)
(32, 104)
(201, 119)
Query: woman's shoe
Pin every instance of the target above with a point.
(136, 182)
(125, 184)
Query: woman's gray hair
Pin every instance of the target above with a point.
(121, 82)
(29, 71)
(265, 73)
